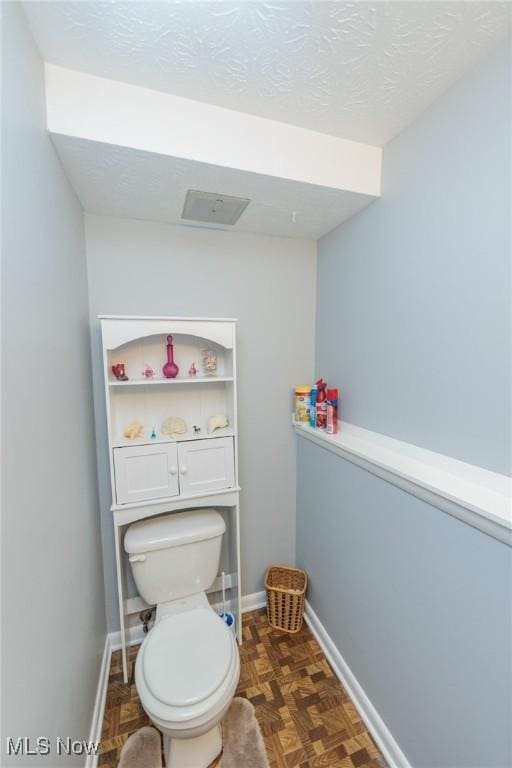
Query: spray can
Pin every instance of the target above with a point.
(312, 408)
(332, 411)
(321, 405)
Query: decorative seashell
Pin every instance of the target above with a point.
(134, 430)
(174, 426)
(209, 362)
(217, 422)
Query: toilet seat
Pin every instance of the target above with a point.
(187, 657)
(187, 671)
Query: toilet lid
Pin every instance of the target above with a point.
(187, 657)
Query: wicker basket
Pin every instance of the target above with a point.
(286, 596)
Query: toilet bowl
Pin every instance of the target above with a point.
(188, 667)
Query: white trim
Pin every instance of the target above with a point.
(169, 317)
(192, 499)
(116, 333)
(99, 703)
(391, 751)
(156, 506)
(253, 601)
(478, 497)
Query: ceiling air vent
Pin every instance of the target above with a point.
(213, 209)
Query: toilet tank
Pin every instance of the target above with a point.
(175, 555)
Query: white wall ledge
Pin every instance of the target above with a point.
(478, 497)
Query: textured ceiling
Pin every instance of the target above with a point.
(118, 181)
(360, 70)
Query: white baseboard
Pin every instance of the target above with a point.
(253, 601)
(99, 703)
(392, 753)
(134, 636)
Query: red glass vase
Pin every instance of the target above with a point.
(170, 369)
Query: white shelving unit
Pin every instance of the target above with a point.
(154, 473)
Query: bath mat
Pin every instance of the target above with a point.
(241, 735)
(143, 749)
(242, 739)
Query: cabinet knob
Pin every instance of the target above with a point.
(183, 469)
(173, 470)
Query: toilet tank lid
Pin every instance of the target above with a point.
(173, 530)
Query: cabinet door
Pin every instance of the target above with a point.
(145, 472)
(206, 465)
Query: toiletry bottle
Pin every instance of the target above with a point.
(312, 407)
(321, 405)
(302, 405)
(332, 411)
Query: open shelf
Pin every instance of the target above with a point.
(167, 382)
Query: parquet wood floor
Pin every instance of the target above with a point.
(306, 717)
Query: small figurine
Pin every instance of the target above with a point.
(193, 370)
(119, 372)
(174, 426)
(210, 362)
(196, 429)
(134, 430)
(148, 372)
(153, 434)
(217, 422)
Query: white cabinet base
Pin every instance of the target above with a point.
(164, 470)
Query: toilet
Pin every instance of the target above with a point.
(188, 666)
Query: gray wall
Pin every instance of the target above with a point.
(144, 268)
(53, 629)
(419, 606)
(413, 324)
(413, 297)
